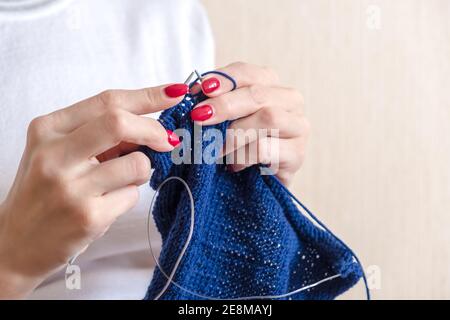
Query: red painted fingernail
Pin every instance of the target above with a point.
(210, 85)
(176, 90)
(173, 138)
(202, 113)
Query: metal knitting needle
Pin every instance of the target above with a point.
(189, 79)
(199, 76)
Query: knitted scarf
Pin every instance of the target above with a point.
(250, 240)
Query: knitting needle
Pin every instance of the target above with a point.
(199, 76)
(188, 80)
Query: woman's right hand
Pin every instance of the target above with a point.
(79, 172)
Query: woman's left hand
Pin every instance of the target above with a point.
(259, 102)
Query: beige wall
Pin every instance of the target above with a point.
(377, 170)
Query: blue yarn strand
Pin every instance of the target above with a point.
(223, 74)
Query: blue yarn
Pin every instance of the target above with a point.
(250, 238)
(223, 74)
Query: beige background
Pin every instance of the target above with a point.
(378, 98)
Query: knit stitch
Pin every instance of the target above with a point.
(250, 239)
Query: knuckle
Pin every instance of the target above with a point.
(225, 105)
(284, 176)
(38, 127)
(264, 155)
(295, 159)
(110, 98)
(116, 123)
(297, 97)
(139, 165)
(153, 96)
(85, 216)
(134, 195)
(159, 140)
(268, 117)
(259, 94)
(43, 165)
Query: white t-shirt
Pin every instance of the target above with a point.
(54, 53)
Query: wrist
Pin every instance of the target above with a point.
(13, 283)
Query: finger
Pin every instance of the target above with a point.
(267, 122)
(122, 149)
(282, 156)
(132, 169)
(244, 102)
(141, 101)
(115, 203)
(262, 151)
(244, 74)
(110, 130)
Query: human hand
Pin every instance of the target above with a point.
(79, 172)
(259, 102)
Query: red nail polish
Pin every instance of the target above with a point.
(202, 113)
(210, 85)
(173, 138)
(176, 90)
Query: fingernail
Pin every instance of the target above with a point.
(210, 85)
(173, 138)
(202, 113)
(176, 90)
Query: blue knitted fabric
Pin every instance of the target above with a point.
(250, 239)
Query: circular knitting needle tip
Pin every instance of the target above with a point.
(189, 79)
(199, 76)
